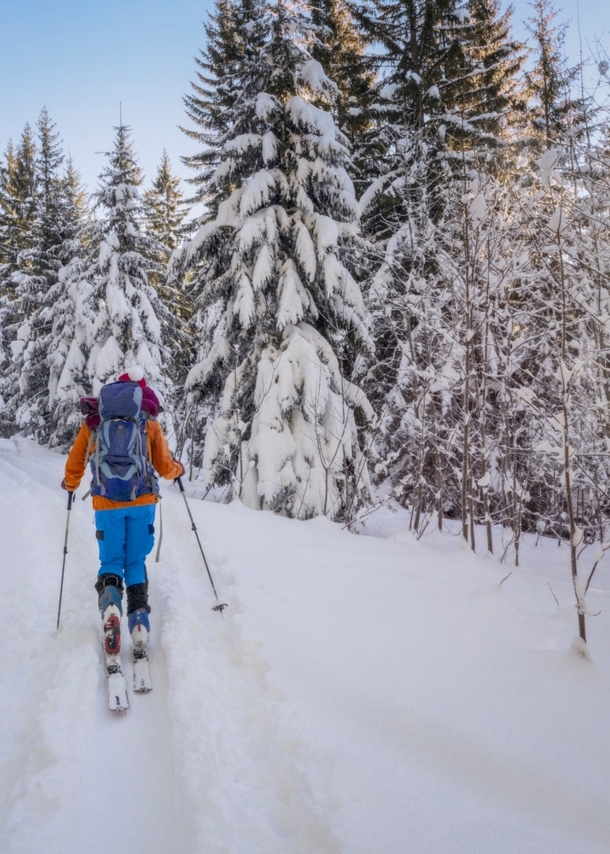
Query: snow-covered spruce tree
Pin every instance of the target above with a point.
(404, 102)
(129, 315)
(18, 212)
(281, 318)
(481, 94)
(165, 209)
(340, 48)
(18, 203)
(234, 33)
(17, 215)
(449, 76)
(550, 80)
(72, 317)
(209, 107)
(165, 214)
(26, 385)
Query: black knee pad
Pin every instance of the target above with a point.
(137, 597)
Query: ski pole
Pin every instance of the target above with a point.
(63, 566)
(219, 605)
(158, 558)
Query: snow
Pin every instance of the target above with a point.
(477, 208)
(313, 75)
(306, 251)
(327, 233)
(293, 298)
(312, 117)
(557, 221)
(266, 105)
(388, 91)
(546, 163)
(363, 693)
(258, 191)
(240, 144)
(263, 268)
(244, 301)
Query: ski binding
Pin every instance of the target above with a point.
(118, 701)
(142, 680)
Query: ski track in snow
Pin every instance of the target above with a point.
(245, 785)
(76, 775)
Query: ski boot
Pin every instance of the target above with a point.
(139, 629)
(110, 589)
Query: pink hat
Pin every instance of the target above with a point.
(134, 375)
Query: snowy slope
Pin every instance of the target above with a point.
(365, 694)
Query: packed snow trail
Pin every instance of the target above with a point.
(362, 695)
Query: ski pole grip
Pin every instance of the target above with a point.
(178, 480)
(70, 499)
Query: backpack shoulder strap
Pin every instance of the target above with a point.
(89, 447)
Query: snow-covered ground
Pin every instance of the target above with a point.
(364, 694)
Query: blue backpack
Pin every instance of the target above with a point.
(119, 460)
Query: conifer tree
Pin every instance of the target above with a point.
(7, 171)
(281, 317)
(72, 317)
(450, 96)
(449, 85)
(209, 105)
(18, 203)
(480, 91)
(27, 384)
(165, 213)
(50, 189)
(339, 47)
(164, 208)
(550, 79)
(17, 218)
(129, 316)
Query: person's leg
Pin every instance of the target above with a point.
(111, 534)
(140, 542)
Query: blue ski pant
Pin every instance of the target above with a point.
(125, 537)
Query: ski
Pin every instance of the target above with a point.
(118, 701)
(140, 633)
(142, 680)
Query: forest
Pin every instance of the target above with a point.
(391, 266)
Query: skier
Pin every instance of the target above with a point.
(126, 446)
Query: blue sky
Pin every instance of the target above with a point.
(81, 58)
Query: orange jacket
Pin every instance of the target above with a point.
(159, 456)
